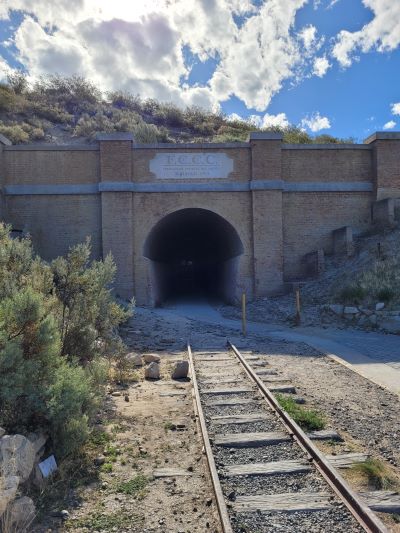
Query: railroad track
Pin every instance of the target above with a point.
(267, 474)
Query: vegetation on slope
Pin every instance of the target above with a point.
(60, 110)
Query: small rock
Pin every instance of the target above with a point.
(180, 370)
(151, 358)
(126, 397)
(116, 393)
(349, 310)
(152, 371)
(18, 456)
(134, 359)
(379, 306)
(64, 514)
(8, 491)
(100, 460)
(337, 309)
(22, 513)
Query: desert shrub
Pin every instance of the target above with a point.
(15, 133)
(381, 282)
(352, 294)
(124, 100)
(72, 93)
(52, 112)
(169, 115)
(18, 81)
(88, 311)
(88, 126)
(146, 133)
(8, 98)
(150, 106)
(45, 313)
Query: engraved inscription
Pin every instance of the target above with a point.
(191, 165)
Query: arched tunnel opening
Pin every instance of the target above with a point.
(194, 253)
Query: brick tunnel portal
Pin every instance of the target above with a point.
(193, 253)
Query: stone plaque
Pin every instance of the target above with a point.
(191, 165)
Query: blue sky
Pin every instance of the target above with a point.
(329, 66)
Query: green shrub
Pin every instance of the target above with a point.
(308, 419)
(14, 133)
(7, 98)
(352, 294)
(51, 318)
(88, 312)
(124, 100)
(146, 133)
(378, 474)
(133, 487)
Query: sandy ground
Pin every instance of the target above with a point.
(144, 438)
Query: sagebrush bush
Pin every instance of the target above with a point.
(15, 133)
(57, 324)
(381, 282)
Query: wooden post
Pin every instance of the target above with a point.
(244, 314)
(298, 308)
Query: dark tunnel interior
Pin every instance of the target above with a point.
(194, 253)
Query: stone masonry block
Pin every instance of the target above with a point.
(343, 241)
(383, 212)
(314, 263)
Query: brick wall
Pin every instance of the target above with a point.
(276, 228)
(57, 222)
(50, 167)
(327, 165)
(310, 218)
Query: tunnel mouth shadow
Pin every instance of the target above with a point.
(194, 254)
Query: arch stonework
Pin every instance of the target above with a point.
(285, 201)
(190, 233)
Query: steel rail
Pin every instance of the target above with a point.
(361, 512)
(222, 509)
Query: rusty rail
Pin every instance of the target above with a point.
(364, 516)
(222, 509)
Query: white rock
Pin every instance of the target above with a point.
(134, 359)
(391, 325)
(180, 370)
(379, 306)
(18, 456)
(349, 310)
(151, 358)
(337, 309)
(152, 371)
(8, 491)
(22, 513)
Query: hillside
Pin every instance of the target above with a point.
(369, 277)
(68, 110)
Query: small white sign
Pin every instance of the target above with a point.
(48, 466)
(191, 165)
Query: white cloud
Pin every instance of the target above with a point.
(315, 123)
(396, 108)
(139, 46)
(321, 66)
(381, 34)
(309, 36)
(389, 125)
(234, 117)
(279, 120)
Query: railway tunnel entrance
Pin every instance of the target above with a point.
(194, 253)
